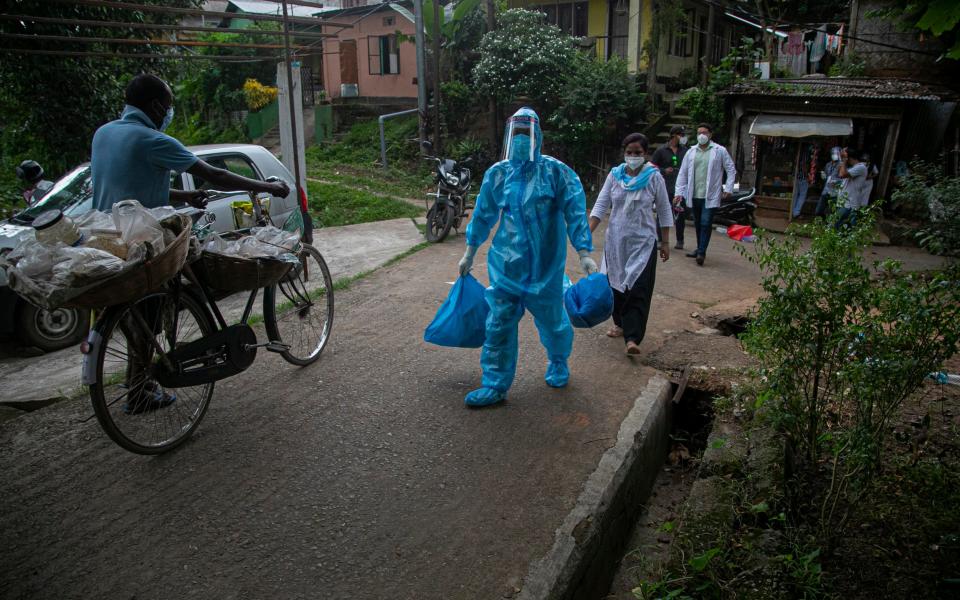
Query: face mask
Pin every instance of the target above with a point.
(683, 140)
(520, 147)
(835, 156)
(633, 162)
(167, 119)
(702, 139)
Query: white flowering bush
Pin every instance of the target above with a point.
(525, 56)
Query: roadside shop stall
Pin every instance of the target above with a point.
(776, 127)
(789, 152)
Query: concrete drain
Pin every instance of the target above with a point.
(652, 532)
(733, 326)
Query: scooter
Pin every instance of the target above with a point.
(738, 209)
(450, 200)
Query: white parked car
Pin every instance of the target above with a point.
(73, 194)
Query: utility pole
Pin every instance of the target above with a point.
(709, 51)
(492, 106)
(436, 77)
(421, 71)
(307, 221)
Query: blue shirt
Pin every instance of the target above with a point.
(131, 159)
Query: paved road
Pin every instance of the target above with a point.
(348, 250)
(362, 476)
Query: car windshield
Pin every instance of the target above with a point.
(73, 194)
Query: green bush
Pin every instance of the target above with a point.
(457, 101)
(524, 56)
(703, 104)
(597, 96)
(927, 195)
(849, 65)
(841, 348)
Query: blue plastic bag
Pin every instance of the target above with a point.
(461, 319)
(589, 301)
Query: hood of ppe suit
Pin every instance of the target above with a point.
(518, 145)
(539, 204)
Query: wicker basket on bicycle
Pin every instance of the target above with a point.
(133, 282)
(227, 273)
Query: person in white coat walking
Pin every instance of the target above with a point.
(700, 184)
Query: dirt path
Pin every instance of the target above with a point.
(362, 476)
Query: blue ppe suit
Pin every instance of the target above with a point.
(538, 201)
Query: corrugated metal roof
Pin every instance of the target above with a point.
(261, 7)
(838, 87)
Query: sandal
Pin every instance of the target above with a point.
(614, 332)
(632, 349)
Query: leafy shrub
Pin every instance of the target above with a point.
(457, 100)
(525, 56)
(927, 195)
(703, 104)
(258, 95)
(476, 149)
(361, 144)
(849, 65)
(841, 349)
(597, 96)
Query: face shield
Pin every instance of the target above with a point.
(519, 140)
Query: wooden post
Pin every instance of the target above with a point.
(494, 121)
(436, 78)
(293, 149)
(793, 175)
(421, 74)
(708, 52)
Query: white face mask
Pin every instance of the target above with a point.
(703, 139)
(683, 140)
(835, 156)
(633, 162)
(167, 119)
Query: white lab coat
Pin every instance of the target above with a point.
(720, 161)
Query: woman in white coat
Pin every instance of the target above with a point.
(633, 196)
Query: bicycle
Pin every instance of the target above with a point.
(151, 364)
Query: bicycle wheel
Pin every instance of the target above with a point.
(298, 311)
(134, 410)
(439, 222)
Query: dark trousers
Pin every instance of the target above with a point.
(703, 223)
(632, 307)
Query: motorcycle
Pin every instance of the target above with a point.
(738, 209)
(450, 200)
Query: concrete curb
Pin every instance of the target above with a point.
(589, 544)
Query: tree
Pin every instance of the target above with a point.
(939, 19)
(598, 99)
(525, 56)
(51, 106)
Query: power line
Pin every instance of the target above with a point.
(174, 10)
(156, 26)
(214, 57)
(140, 42)
(301, 3)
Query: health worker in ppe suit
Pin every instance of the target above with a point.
(538, 201)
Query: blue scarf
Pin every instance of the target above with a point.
(633, 184)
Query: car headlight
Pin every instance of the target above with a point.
(453, 180)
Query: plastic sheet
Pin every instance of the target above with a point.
(738, 232)
(461, 320)
(265, 242)
(589, 302)
(137, 225)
